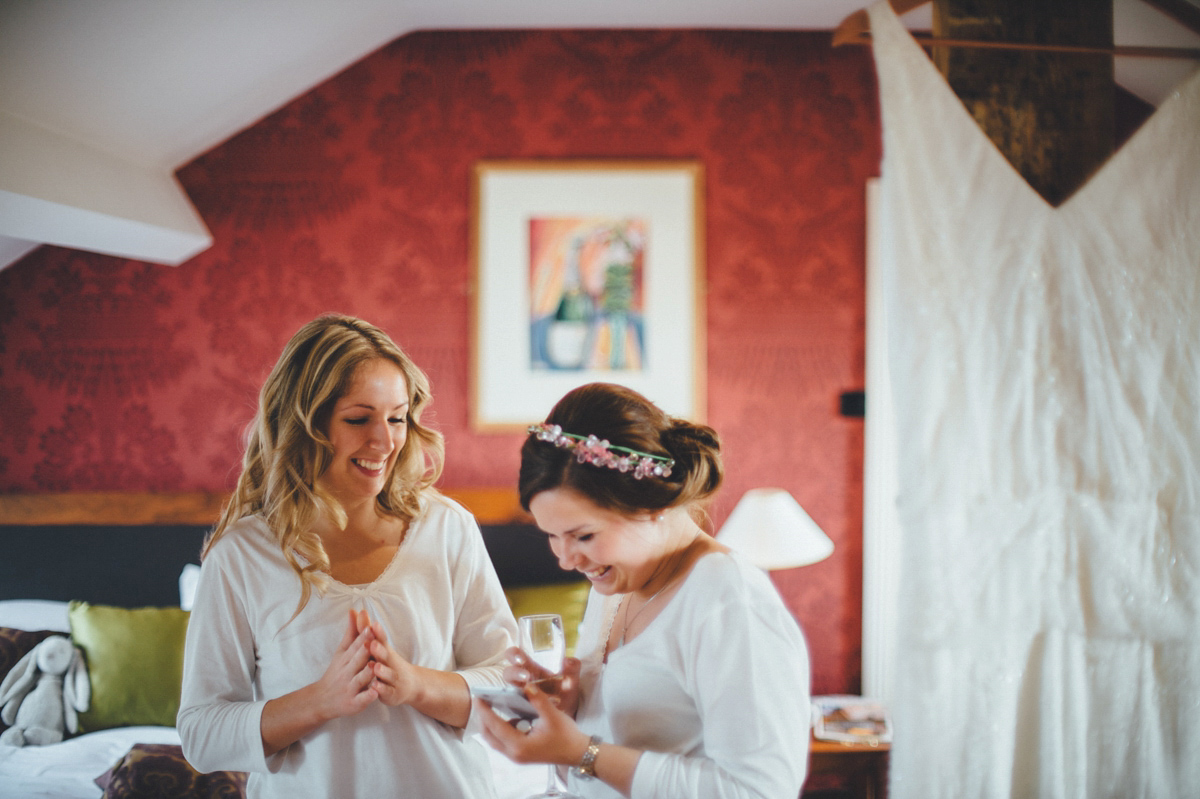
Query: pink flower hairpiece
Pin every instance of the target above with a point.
(598, 452)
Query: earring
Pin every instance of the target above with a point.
(661, 516)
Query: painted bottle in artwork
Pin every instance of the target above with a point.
(567, 335)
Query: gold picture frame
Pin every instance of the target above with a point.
(583, 271)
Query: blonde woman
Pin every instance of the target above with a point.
(344, 607)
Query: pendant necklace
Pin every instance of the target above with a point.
(630, 619)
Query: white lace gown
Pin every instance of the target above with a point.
(1045, 366)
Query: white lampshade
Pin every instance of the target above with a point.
(770, 528)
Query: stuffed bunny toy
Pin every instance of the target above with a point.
(43, 693)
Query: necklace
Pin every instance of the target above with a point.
(683, 554)
(629, 619)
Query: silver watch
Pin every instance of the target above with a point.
(587, 767)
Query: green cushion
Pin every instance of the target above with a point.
(566, 599)
(135, 663)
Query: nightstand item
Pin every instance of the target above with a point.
(864, 767)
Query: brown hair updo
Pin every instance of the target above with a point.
(624, 418)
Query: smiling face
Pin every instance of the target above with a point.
(367, 428)
(618, 554)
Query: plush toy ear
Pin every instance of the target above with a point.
(17, 683)
(77, 691)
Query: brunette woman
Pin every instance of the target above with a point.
(694, 680)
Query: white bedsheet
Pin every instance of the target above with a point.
(68, 770)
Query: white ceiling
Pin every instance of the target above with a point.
(101, 100)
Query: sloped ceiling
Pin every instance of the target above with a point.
(101, 102)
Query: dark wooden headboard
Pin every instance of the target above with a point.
(128, 549)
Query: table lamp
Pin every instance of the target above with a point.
(769, 528)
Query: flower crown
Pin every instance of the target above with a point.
(598, 452)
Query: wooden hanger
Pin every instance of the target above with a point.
(856, 29)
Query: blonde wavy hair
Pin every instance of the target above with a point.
(288, 449)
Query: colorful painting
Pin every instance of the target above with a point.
(586, 293)
(585, 271)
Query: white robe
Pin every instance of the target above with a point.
(442, 607)
(716, 689)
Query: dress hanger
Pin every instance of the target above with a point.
(856, 29)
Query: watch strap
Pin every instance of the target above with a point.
(587, 766)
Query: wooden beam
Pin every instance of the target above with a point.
(110, 508)
(489, 505)
(1130, 50)
(856, 29)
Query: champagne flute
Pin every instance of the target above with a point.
(543, 641)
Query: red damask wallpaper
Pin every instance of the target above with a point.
(120, 375)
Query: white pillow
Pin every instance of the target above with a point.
(34, 614)
(187, 585)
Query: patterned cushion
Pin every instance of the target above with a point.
(159, 771)
(14, 645)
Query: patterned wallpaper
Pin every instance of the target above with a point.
(120, 375)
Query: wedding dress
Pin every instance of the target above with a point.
(1045, 367)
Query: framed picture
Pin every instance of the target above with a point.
(586, 271)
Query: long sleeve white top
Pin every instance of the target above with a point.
(442, 607)
(715, 690)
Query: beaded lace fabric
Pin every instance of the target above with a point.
(1045, 367)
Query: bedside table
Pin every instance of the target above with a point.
(863, 767)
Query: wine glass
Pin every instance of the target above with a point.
(543, 641)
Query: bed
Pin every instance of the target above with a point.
(105, 569)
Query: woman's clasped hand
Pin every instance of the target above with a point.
(349, 684)
(365, 669)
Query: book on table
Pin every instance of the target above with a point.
(851, 719)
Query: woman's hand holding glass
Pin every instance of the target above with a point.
(550, 681)
(561, 687)
(553, 738)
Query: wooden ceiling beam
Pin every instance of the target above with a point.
(856, 29)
